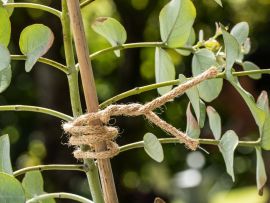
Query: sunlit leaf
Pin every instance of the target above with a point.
(164, 69)
(240, 32)
(35, 41)
(260, 171)
(176, 20)
(247, 66)
(10, 10)
(246, 46)
(214, 122)
(153, 147)
(11, 190)
(201, 61)
(227, 146)
(190, 42)
(219, 2)
(5, 27)
(5, 163)
(112, 30)
(4, 57)
(193, 128)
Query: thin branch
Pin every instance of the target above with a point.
(34, 6)
(36, 109)
(59, 195)
(42, 60)
(139, 90)
(140, 144)
(85, 3)
(52, 167)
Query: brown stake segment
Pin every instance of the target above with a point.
(107, 181)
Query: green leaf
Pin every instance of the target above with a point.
(219, 2)
(112, 30)
(263, 102)
(5, 27)
(153, 147)
(261, 177)
(35, 41)
(201, 61)
(164, 69)
(227, 146)
(4, 57)
(240, 32)
(247, 66)
(232, 49)
(176, 20)
(193, 129)
(214, 122)
(5, 163)
(190, 42)
(10, 10)
(202, 114)
(11, 190)
(5, 78)
(33, 186)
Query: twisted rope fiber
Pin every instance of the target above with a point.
(84, 132)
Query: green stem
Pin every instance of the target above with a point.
(34, 6)
(140, 144)
(59, 195)
(85, 3)
(139, 90)
(36, 109)
(43, 60)
(92, 170)
(52, 167)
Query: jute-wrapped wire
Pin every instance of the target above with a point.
(84, 132)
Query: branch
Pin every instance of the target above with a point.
(34, 6)
(59, 195)
(85, 3)
(139, 90)
(36, 109)
(140, 144)
(42, 60)
(52, 167)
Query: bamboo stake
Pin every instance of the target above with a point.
(105, 170)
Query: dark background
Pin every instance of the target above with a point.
(39, 139)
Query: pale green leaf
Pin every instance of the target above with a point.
(4, 57)
(176, 20)
(193, 129)
(190, 42)
(5, 27)
(263, 102)
(35, 41)
(201, 61)
(164, 69)
(214, 122)
(261, 176)
(249, 66)
(202, 114)
(240, 32)
(227, 146)
(11, 190)
(5, 163)
(219, 2)
(246, 46)
(112, 30)
(153, 147)
(5, 78)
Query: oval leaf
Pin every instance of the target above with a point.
(189, 43)
(176, 20)
(240, 31)
(4, 57)
(227, 146)
(201, 61)
(193, 129)
(153, 147)
(35, 41)
(261, 177)
(247, 66)
(11, 190)
(5, 163)
(164, 69)
(214, 122)
(202, 114)
(5, 78)
(112, 30)
(5, 27)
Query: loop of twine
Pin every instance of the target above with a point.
(84, 132)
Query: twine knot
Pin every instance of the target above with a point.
(84, 130)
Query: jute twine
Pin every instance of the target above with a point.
(82, 131)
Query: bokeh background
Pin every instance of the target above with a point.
(184, 176)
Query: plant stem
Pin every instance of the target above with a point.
(85, 3)
(92, 170)
(59, 195)
(139, 90)
(36, 109)
(90, 95)
(52, 167)
(140, 144)
(34, 6)
(43, 60)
